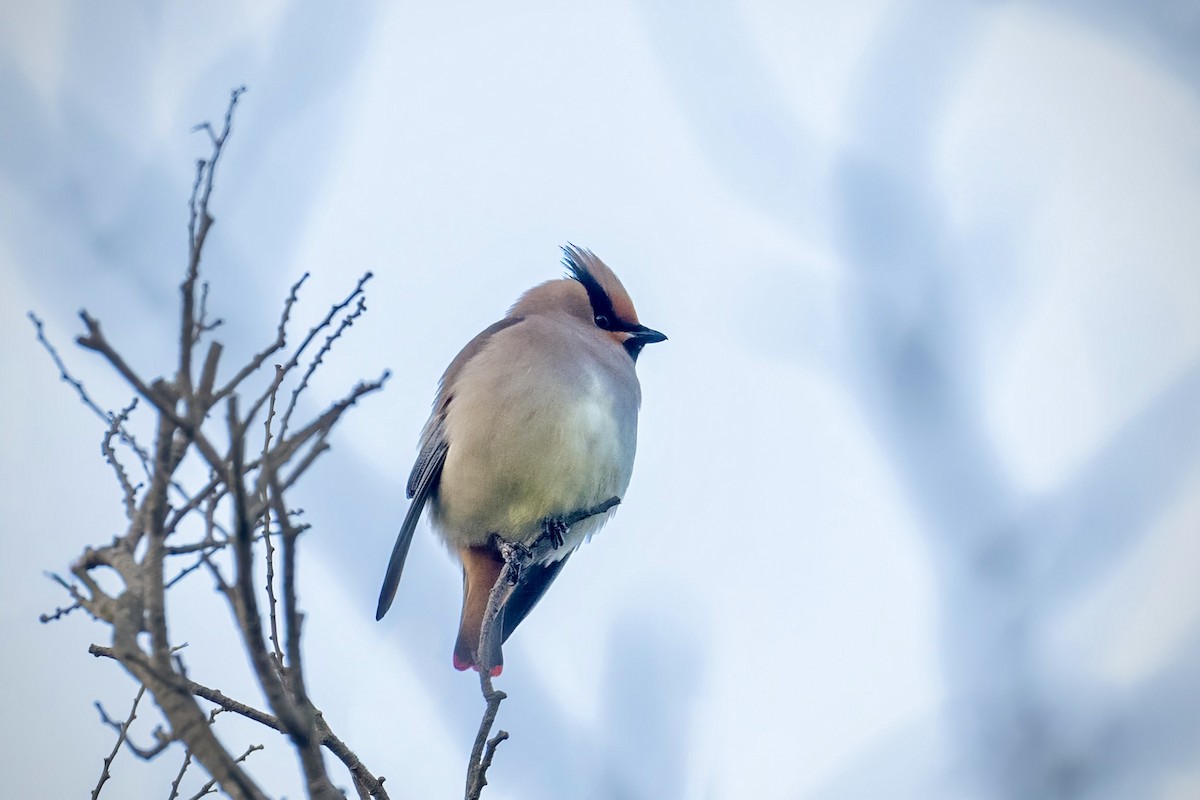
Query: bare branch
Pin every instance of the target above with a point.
(318, 359)
(140, 555)
(160, 396)
(215, 696)
(213, 490)
(162, 741)
(364, 781)
(489, 753)
(325, 323)
(202, 324)
(206, 551)
(325, 735)
(122, 736)
(60, 612)
(258, 360)
(77, 385)
(481, 760)
(97, 603)
(188, 721)
(63, 373)
(95, 340)
(322, 425)
(150, 580)
(579, 516)
(292, 362)
(200, 223)
(208, 374)
(210, 787)
(516, 558)
(272, 603)
(319, 784)
(187, 761)
(128, 490)
(250, 621)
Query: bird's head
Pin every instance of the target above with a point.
(603, 303)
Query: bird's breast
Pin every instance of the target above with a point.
(533, 443)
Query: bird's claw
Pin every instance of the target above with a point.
(519, 557)
(554, 530)
(515, 555)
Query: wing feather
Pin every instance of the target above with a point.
(422, 482)
(426, 472)
(533, 583)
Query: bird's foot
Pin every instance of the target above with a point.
(553, 530)
(515, 555)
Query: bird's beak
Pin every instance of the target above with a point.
(644, 335)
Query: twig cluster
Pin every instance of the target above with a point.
(173, 531)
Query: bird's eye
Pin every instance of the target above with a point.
(602, 321)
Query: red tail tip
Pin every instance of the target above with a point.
(461, 665)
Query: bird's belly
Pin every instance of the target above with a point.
(505, 472)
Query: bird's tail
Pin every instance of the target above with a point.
(481, 568)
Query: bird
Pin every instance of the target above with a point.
(535, 419)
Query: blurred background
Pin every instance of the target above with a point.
(916, 508)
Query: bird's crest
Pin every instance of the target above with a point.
(603, 287)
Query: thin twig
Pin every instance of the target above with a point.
(162, 740)
(292, 362)
(200, 223)
(250, 621)
(159, 395)
(202, 324)
(325, 735)
(364, 781)
(322, 425)
(65, 375)
(516, 558)
(187, 761)
(128, 490)
(319, 358)
(319, 784)
(210, 787)
(489, 753)
(215, 487)
(60, 612)
(205, 555)
(272, 602)
(122, 736)
(481, 760)
(261, 357)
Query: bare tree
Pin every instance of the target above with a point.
(237, 424)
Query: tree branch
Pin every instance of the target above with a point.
(139, 556)
(122, 736)
(516, 558)
(325, 735)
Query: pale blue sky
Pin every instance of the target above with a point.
(916, 510)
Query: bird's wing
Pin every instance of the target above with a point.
(533, 583)
(421, 483)
(423, 480)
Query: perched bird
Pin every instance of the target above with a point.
(535, 419)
